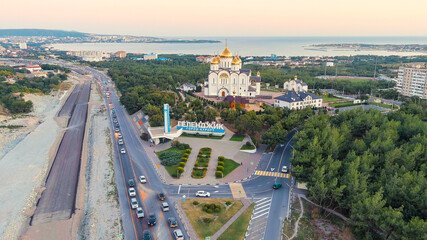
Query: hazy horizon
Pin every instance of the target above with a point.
(187, 18)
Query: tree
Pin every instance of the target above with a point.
(210, 114)
(156, 120)
(274, 135)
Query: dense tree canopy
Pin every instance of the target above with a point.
(371, 166)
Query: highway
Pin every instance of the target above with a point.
(135, 162)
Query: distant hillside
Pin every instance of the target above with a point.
(40, 32)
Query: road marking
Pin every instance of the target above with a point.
(265, 209)
(272, 174)
(179, 189)
(260, 200)
(260, 215)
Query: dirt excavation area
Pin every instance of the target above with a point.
(101, 219)
(26, 147)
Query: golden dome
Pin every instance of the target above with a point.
(215, 60)
(235, 61)
(240, 60)
(226, 53)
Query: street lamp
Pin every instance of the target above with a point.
(293, 151)
(289, 200)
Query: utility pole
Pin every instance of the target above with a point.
(325, 68)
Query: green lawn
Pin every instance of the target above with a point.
(229, 166)
(246, 147)
(330, 99)
(237, 138)
(196, 215)
(171, 169)
(201, 136)
(237, 230)
(383, 105)
(346, 104)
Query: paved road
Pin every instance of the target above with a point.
(135, 162)
(69, 105)
(57, 202)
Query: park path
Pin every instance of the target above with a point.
(299, 218)
(246, 204)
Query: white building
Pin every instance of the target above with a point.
(187, 87)
(226, 77)
(23, 45)
(298, 100)
(295, 85)
(33, 68)
(151, 56)
(412, 81)
(329, 64)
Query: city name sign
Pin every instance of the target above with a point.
(201, 126)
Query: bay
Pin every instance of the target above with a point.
(253, 46)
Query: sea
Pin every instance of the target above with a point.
(253, 46)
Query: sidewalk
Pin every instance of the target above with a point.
(246, 204)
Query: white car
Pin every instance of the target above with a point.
(165, 206)
(284, 169)
(139, 212)
(134, 203)
(132, 192)
(178, 234)
(120, 136)
(202, 194)
(120, 141)
(123, 151)
(142, 179)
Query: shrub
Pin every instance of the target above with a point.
(188, 150)
(220, 168)
(221, 158)
(205, 208)
(218, 174)
(184, 159)
(228, 203)
(196, 164)
(248, 144)
(175, 143)
(170, 158)
(194, 168)
(186, 155)
(144, 136)
(209, 210)
(180, 169)
(195, 203)
(217, 209)
(207, 220)
(220, 163)
(182, 164)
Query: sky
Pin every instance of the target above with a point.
(221, 17)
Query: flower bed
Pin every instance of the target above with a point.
(175, 158)
(202, 162)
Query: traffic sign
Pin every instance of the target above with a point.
(252, 163)
(120, 236)
(272, 169)
(183, 198)
(208, 238)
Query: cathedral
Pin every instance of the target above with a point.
(227, 78)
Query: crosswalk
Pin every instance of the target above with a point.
(272, 174)
(258, 222)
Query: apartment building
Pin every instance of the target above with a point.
(412, 81)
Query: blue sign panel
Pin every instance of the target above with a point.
(199, 129)
(166, 118)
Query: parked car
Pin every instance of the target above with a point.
(139, 212)
(142, 179)
(115, 120)
(178, 234)
(202, 194)
(120, 141)
(165, 207)
(132, 192)
(284, 169)
(147, 235)
(131, 182)
(162, 196)
(117, 124)
(134, 203)
(152, 219)
(122, 151)
(277, 185)
(117, 130)
(172, 222)
(120, 136)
